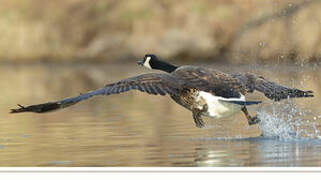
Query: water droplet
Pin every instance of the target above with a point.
(287, 122)
(262, 44)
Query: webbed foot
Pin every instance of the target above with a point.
(254, 120)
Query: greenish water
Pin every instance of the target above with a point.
(136, 129)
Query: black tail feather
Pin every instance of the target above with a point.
(243, 103)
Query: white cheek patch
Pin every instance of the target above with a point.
(146, 63)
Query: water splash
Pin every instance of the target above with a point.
(286, 121)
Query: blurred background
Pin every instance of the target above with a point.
(50, 50)
(231, 31)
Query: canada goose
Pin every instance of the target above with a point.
(205, 92)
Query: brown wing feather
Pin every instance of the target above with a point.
(270, 89)
(216, 82)
(153, 83)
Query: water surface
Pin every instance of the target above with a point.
(136, 129)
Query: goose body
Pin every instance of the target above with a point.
(210, 105)
(205, 92)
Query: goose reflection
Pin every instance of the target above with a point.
(258, 151)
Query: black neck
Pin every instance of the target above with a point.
(164, 66)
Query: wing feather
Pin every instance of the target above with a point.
(153, 83)
(216, 82)
(270, 89)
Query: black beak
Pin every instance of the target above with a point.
(140, 62)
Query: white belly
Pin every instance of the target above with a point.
(217, 108)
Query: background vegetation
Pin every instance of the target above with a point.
(110, 30)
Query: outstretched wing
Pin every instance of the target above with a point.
(153, 83)
(270, 89)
